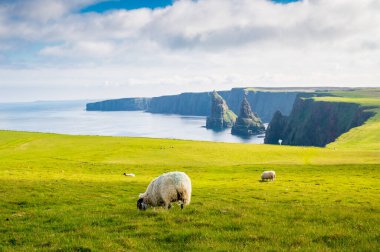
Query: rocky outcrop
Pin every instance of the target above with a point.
(315, 123)
(248, 122)
(265, 103)
(221, 116)
(125, 104)
(274, 131)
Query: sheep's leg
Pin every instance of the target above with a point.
(168, 206)
(182, 205)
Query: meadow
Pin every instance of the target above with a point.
(68, 193)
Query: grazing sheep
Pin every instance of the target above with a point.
(129, 174)
(271, 175)
(167, 188)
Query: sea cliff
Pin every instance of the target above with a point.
(315, 123)
(125, 104)
(265, 103)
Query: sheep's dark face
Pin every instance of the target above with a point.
(141, 204)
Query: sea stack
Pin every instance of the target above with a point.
(221, 117)
(248, 123)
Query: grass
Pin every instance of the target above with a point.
(364, 137)
(67, 193)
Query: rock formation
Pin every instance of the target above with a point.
(221, 117)
(248, 123)
(275, 129)
(266, 103)
(315, 123)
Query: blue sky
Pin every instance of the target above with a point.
(126, 4)
(136, 4)
(285, 1)
(71, 49)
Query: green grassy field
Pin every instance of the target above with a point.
(67, 193)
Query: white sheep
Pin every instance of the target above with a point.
(271, 175)
(167, 188)
(129, 174)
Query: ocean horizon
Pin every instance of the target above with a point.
(71, 117)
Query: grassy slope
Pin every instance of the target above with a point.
(364, 137)
(67, 192)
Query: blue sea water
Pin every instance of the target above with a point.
(70, 117)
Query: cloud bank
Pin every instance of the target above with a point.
(189, 46)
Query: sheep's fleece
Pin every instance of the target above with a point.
(271, 175)
(167, 188)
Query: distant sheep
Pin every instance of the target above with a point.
(167, 188)
(268, 175)
(129, 174)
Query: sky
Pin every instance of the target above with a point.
(92, 49)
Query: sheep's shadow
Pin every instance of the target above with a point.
(265, 181)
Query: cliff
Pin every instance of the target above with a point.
(198, 104)
(247, 123)
(315, 123)
(125, 104)
(221, 116)
(265, 103)
(275, 128)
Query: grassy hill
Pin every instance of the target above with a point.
(67, 193)
(367, 136)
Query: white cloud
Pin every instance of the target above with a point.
(88, 49)
(43, 10)
(192, 45)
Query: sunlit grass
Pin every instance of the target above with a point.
(67, 193)
(364, 137)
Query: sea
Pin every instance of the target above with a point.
(71, 117)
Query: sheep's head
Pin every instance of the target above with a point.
(141, 205)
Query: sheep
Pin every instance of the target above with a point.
(129, 174)
(165, 189)
(271, 175)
